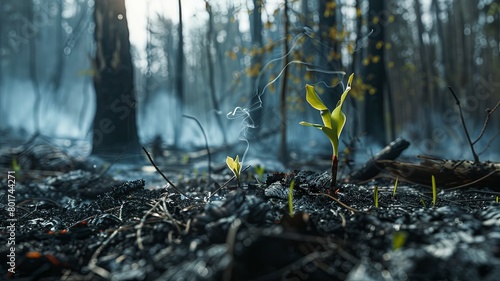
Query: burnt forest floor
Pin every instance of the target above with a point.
(82, 224)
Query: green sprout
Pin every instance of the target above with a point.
(395, 187)
(15, 166)
(399, 239)
(423, 201)
(375, 196)
(496, 199)
(290, 198)
(434, 191)
(333, 122)
(235, 166)
(259, 170)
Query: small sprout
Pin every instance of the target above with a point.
(290, 198)
(259, 171)
(399, 239)
(375, 196)
(496, 199)
(423, 201)
(185, 159)
(434, 191)
(395, 187)
(333, 122)
(16, 168)
(235, 166)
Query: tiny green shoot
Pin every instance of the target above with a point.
(395, 187)
(423, 201)
(259, 171)
(15, 166)
(185, 159)
(496, 199)
(434, 191)
(375, 196)
(399, 239)
(235, 166)
(333, 122)
(290, 198)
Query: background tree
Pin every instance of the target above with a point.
(114, 126)
(375, 75)
(179, 80)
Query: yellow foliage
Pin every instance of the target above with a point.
(253, 70)
(390, 64)
(231, 54)
(333, 32)
(379, 45)
(333, 55)
(375, 59)
(350, 48)
(359, 12)
(375, 20)
(388, 45)
(391, 18)
(330, 9)
(366, 61)
(268, 24)
(359, 88)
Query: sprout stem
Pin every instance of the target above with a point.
(335, 166)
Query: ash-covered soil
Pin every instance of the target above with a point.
(84, 226)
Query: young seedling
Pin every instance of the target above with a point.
(235, 166)
(333, 123)
(395, 187)
(399, 239)
(259, 171)
(434, 191)
(375, 196)
(423, 201)
(290, 198)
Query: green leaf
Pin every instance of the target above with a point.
(234, 165)
(313, 98)
(338, 117)
(303, 123)
(315, 101)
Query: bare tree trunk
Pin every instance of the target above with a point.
(374, 119)
(255, 86)
(114, 127)
(283, 152)
(59, 50)
(179, 81)
(33, 67)
(211, 77)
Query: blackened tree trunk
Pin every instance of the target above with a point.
(211, 72)
(114, 127)
(374, 120)
(283, 152)
(179, 80)
(255, 86)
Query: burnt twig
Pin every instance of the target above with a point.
(165, 177)
(476, 158)
(206, 144)
(489, 111)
